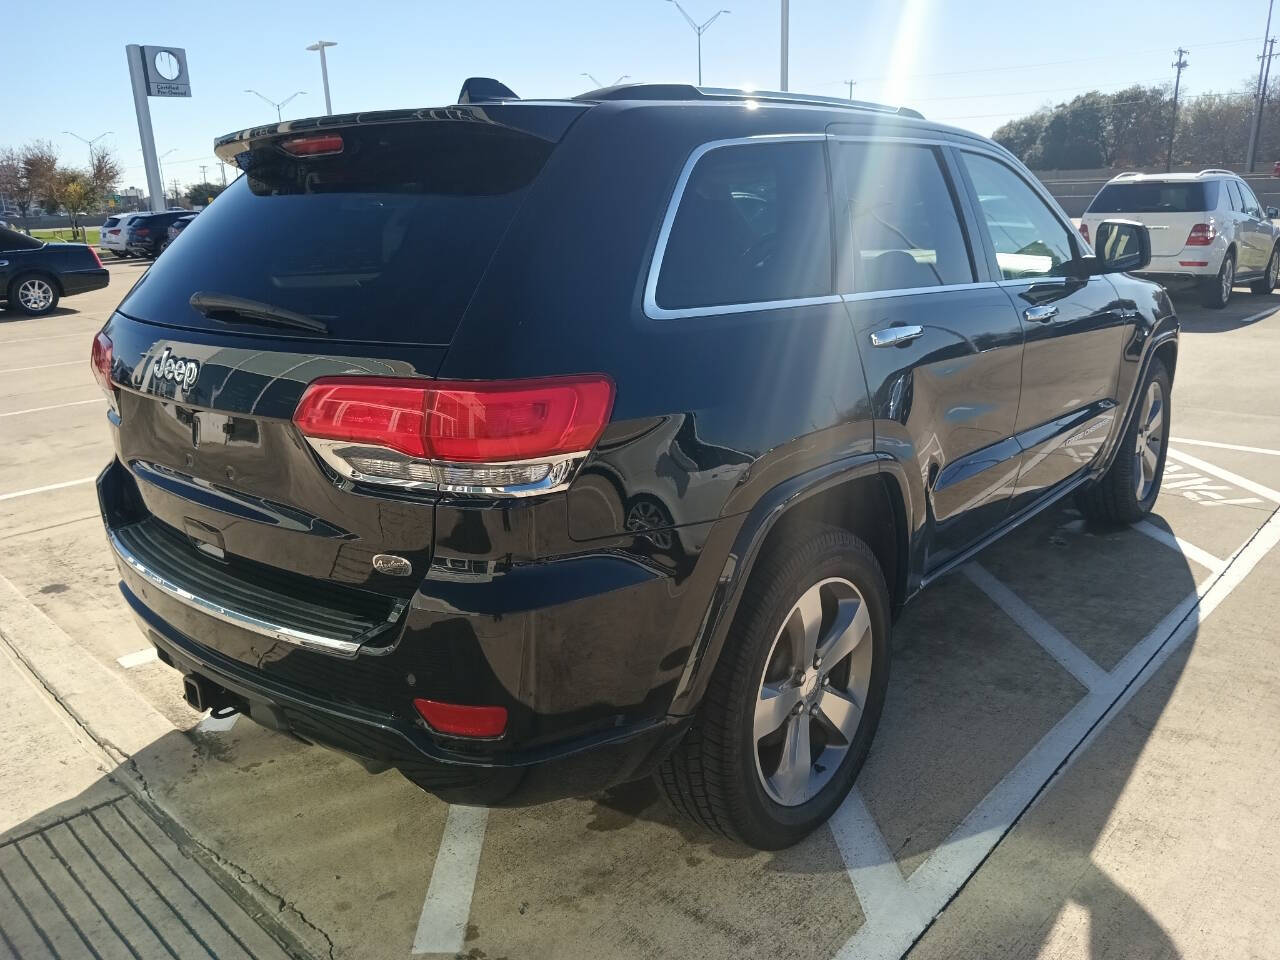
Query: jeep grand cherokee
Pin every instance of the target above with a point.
(531, 447)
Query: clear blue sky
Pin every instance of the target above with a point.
(976, 63)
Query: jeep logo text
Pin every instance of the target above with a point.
(179, 370)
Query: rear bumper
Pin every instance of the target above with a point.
(82, 281)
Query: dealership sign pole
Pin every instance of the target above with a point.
(155, 72)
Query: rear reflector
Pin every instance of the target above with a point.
(1201, 235)
(100, 358)
(1193, 263)
(313, 146)
(460, 720)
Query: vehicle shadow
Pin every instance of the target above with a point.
(10, 315)
(1244, 306)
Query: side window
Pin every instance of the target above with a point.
(1233, 195)
(753, 226)
(902, 220)
(1029, 240)
(1251, 204)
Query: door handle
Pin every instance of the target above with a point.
(896, 336)
(4, 263)
(1040, 313)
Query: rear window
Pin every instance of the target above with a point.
(385, 241)
(1155, 196)
(13, 240)
(110, 221)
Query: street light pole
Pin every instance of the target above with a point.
(599, 85)
(89, 143)
(279, 106)
(786, 40)
(324, 72)
(699, 29)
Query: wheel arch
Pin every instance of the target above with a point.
(866, 495)
(45, 272)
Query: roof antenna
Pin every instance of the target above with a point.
(484, 90)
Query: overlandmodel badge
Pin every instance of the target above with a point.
(178, 370)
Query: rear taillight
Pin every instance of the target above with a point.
(96, 259)
(513, 438)
(1202, 235)
(100, 358)
(141, 231)
(1084, 232)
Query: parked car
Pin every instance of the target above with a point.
(1208, 230)
(176, 228)
(146, 234)
(35, 275)
(478, 443)
(114, 234)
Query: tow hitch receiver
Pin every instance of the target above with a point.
(203, 694)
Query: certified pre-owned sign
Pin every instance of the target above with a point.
(166, 70)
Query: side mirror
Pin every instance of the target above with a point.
(1123, 246)
(1272, 213)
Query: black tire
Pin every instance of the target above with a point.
(712, 777)
(45, 283)
(1268, 281)
(1114, 499)
(119, 255)
(1216, 293)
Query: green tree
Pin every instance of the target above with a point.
(1074, 136)
(1137, 130)
(1021, 137)
(201, 194)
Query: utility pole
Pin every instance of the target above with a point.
(851, 84)
(203, 168)
(1258, 94)
(786, 41)
(175, 192)
(223, 168)
(1262, 100)
(1180, 64)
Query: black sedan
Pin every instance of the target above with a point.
(35, 275)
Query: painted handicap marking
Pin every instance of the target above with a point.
(1206, 491)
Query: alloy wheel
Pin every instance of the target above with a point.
(813, 691)
(35, 294)
(1273, 267)
(1228, 278)
(1150, 439)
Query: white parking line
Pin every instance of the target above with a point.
(935, 882)
(137, 658)
(442, 927)
(56, 336)
(1225, 446)
(1184, 547)
(873, 871)
(56, 406)
(1074, 660)
(1227, 475)
(46, 488)
(46, 366)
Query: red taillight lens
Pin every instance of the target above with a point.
(461, 720)
(313, 146)
(1201, 235)
(1084, 232)
(460, 422)
(141, 231)
(100, 358)
(96, 259)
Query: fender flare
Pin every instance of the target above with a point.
(760, 520)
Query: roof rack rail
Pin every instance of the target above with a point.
(687, 91)
(1127, 173)
(1230, 173)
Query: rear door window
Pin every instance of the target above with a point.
(1233, 194)
(753, 225)
(384, 241)
(900, 213)
(1029, 239)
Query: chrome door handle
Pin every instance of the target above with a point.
(894, 336)
(1040, 313)
(4, 263)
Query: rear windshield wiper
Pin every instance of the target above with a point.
(216, 305)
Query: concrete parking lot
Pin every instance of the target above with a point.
(1077, 756)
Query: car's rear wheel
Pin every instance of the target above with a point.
(1216, 291)
(33, 294)
(794, 702)
(1268, 281)
(1128, 490)
(119, 254)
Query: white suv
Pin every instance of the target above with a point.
(1207, 229)
(115, 231)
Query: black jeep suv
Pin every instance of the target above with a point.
(531, 447)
